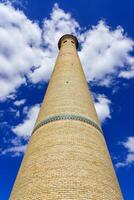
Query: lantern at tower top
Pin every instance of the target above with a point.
(68, 38)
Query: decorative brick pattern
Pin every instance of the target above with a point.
(68, 117)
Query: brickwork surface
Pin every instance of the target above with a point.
(67, 159)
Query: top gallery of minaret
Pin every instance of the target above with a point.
(67, 157)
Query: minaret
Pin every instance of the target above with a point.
(67, 157)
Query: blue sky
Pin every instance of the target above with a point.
(29, 32)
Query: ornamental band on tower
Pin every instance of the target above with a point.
(67, 157)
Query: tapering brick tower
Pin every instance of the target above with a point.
(67, 158)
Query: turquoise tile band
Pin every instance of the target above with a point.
(67, 117)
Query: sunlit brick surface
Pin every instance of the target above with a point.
(67, 159)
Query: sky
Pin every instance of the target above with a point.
(29, 32)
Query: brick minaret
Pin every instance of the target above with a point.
(67, 157)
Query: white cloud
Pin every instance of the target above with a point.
(19, 48)
(14, 151)
(31, 51)
(102, 106)
(105, 52)
(21, 3)
(25, 128)
(19, 102)
(22, 133)
(57, 25)
(129, 145)
(127, 74)
(22, 54)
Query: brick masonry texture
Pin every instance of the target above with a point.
(67, 159)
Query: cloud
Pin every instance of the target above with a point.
(129, 160)
(30, 55)
(129, 144)
(14, 151)
(20, 3)
(20, 49)
(23, 54)
(105, 53)
(17, 145)
(19, 102)
(25, 128)
(54, 27)
(127, 74)
(102, 106)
